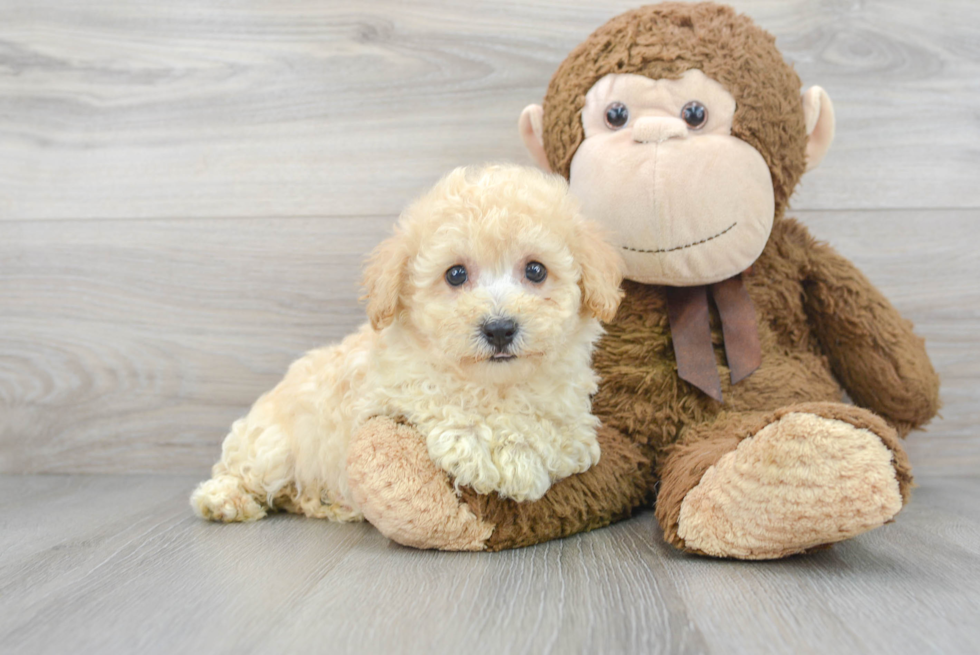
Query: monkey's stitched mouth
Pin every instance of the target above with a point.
(687, 245)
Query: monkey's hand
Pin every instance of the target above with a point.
(882, 364)
(404, 494)
(412, 501)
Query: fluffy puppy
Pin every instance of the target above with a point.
(483, 309)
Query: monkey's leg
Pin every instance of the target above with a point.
(768, 485)
(410, 500)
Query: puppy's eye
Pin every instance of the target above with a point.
(694, 114)
(535, 272)
(456, 275)
(617, 115)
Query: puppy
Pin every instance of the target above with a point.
(484, 308)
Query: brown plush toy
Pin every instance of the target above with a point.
(682, 129)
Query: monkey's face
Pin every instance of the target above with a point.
(686, 202)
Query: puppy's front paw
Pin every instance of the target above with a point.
(464, 454)
(523, 474)
(575, 455)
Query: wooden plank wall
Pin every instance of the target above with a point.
(187, 190)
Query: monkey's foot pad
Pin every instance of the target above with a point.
(800, 482)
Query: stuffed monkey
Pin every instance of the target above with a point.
(682, 129)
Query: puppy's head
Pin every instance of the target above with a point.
(494, 269)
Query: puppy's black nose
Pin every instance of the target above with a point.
(499, 332)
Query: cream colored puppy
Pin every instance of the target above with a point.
(483, 310)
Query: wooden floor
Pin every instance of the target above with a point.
(187, 191)
(102, 564)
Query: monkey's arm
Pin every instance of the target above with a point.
(608, 492)
(874, 353)
(412, 501)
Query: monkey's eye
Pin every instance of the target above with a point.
(456, 275)
(535, 272)
(616, 115)
(694, 114)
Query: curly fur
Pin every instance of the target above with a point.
(512, 427)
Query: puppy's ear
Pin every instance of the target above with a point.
(602, 271)
(384, 276)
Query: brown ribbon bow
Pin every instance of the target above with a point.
(690, 329)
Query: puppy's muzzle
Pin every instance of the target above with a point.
(499, 333)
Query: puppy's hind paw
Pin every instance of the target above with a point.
(225, 499)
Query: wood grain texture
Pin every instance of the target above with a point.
(133, 345)
(119, 565)
(135, 109)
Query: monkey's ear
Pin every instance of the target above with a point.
(602, 271)
(530, 126)
(384, 276)
(818, 113)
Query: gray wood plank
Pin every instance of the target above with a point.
(133, 345)
(149, 577)
(197, 108)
